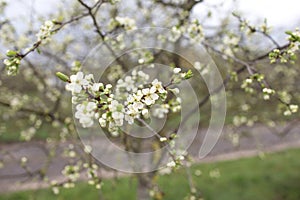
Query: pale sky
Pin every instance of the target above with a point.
(280, 14)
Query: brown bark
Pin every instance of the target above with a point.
(143, 187)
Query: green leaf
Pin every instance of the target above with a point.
(11, 53)
(189, 74)
(289, 32)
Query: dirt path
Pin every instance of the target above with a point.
(249, 153)
(252, 142)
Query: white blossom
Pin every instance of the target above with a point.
(176, 70)
(145, 112)
(149, 96)
(76, 83)
(171, 164)
(45, 32)
(163, 139)
(94, 101)
(195, 31)
(126, 22)
(102, 122)
(293, 108)
(161, 110)
(158, 86)
(85, 113)
(176, 33)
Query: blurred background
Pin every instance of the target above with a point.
(256, 156)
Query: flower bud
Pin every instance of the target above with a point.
(11, 53)
(62, 77)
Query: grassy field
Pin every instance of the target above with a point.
(13, 134)
(274, 177)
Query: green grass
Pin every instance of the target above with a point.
(275, 177)
(13, 132)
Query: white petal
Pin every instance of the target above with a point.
(91, 106)
(77, 88)
(154, 82)
(176, 70)
(148, 101)
(145, 112)
(161, 90)
(78, 115)
(84, 82)
(89, 77)
(73, 78)
(145, 91)
(69, 87)
(152, 89)
(154, 96)
(102, 122)
(79, 76)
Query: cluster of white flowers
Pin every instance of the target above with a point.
(231, 40)
(113, 118)
(12, 66)
(230, 45)
(175, 104)
(92, 173)
(71, 172)
(45, 32)
(145, 56)
(288, 54)
(267, 92)
(247, 84)
(130, 84)
(177, 159)
(135, 96)
(27, 134)
(118, 42)
(16, 103)
(285, 96)
(178, 76)
(85, 113)
(126, 22)
(240, 120)
(291, 109)
(139, 102)
(12, 63)
(114, 73)
(86, 91)
(193, 31)
(176, 33)
(161, 110)
(294, 38)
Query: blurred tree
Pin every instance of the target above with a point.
(258, 73)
